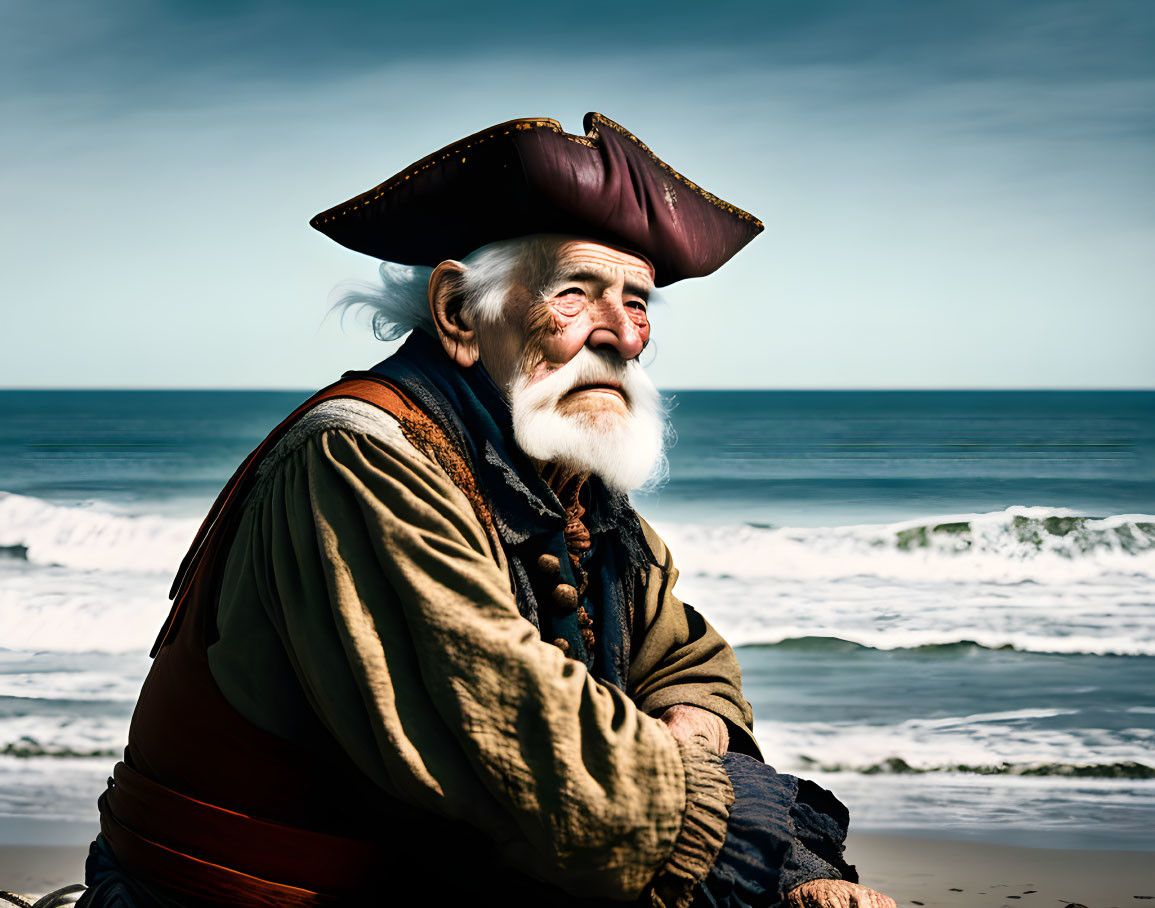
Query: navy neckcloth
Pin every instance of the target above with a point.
(474, 414)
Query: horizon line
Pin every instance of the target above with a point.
(736, 388)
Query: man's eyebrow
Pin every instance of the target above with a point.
(586, 274)
(637, 290)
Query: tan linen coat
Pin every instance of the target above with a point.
(362, 589)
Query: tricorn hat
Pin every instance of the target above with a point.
(529, 176)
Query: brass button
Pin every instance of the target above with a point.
(550, 566)
(562, 644)
(565, 597)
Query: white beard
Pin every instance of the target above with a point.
(623, 451)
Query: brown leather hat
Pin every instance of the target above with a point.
(529, 176)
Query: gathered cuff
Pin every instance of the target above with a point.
(708, 799)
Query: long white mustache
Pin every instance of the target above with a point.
(623, 451)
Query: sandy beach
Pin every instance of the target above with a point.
(933, 872)
(32, 870)
(927, 872)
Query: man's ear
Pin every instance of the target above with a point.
(446, 297)
(446, 302)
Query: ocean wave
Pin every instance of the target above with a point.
(68, 610)
(1016, 742)
(69, 686)
(1034, 579)
(24, 750)
(1045, 811)
(64, 736)
(1017, 545)
(955, 649)
(932, 620)
(91, 537)
(899, 766)
(1049, 626)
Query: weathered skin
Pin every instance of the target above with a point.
(686, 721)
(836, 894)
(598, 300)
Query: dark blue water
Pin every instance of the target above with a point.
(797, 457)
(150, 449)
(821, 457)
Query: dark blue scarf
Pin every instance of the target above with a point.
(471, 410)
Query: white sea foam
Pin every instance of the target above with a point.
(62, 735)
(93, 537)
(66, 610)
(71, 686)
(1039, 579)
(1043, 812)
(1017, 545)
(937, 744)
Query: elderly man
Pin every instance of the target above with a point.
(422, 639)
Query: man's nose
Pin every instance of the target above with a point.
(613, 327)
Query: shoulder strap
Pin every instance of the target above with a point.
(222, 515)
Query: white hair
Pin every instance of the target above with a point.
(401, 302)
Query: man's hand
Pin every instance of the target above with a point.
(686, 721)
(836, 894)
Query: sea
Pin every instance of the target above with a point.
(943, 602)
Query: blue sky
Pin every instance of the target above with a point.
(956, 194)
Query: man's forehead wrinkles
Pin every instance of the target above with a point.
(605, 268)
(598, 252)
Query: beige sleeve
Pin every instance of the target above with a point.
(682, 659)
(404, 632)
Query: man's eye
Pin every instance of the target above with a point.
(640, 305)
(572, 291)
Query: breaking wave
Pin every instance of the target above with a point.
(1035, 579)
(91, 538)
(958, 649)
(1020, 742)
(1018, 545)
(899, 766)
(62, 737)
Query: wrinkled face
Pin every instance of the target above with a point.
(593, 297)
(578, 393)
(597, 300)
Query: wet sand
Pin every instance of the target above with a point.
(37, 869)
(933, 872)
(914, 871)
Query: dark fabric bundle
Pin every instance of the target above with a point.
(783, 831)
